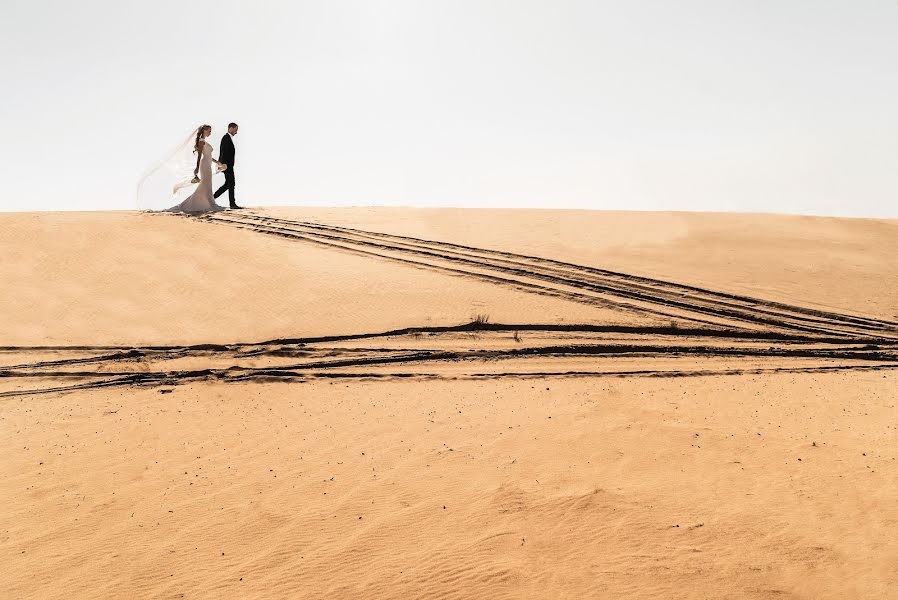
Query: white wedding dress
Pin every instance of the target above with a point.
(201, 200)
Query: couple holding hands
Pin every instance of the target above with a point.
(202, 199)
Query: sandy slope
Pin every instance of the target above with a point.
(735, 436)
(125, 278)
(569, 488)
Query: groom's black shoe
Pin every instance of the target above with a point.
(234, 205)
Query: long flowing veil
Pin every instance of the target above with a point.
(168, 181)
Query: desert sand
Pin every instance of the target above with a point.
(446, 403)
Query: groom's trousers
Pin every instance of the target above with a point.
(228, 185)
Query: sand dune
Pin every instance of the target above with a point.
(393, 403)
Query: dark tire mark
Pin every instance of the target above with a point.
(688, 299)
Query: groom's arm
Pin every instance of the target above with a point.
(222, 153)
(227, 149)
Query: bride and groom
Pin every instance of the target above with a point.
(202, 199)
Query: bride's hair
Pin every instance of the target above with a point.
(199, 134)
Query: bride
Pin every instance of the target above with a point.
(201, 200)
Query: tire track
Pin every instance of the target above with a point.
(613, 290)
(644, 285)
(770, 337)
(559, 347)
(514, 283)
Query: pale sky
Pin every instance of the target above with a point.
(729, 105)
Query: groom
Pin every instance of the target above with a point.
(226, 156)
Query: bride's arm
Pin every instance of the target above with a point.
(199, 155)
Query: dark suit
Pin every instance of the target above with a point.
(226, 156)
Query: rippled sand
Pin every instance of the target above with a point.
(395, 403)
